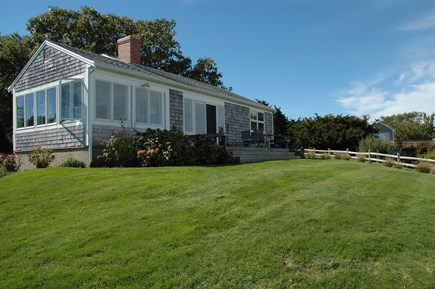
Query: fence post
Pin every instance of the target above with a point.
(398, 157)
(370, 158)
(329, 152)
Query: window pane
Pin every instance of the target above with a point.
(253, 125)
(51, 105)
(221, 119)
(29, 110)
(77, 99)
(103, 102)
(188, 115)
(119, 102)
(261, 126)
(155, 108)
(20, 111)
(253, 115)
(40, 111)
(200, 118)
(260, 116)
(141, 105)
(66, 101)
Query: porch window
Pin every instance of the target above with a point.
(103, 102)
(51, 105)
(20, 111)
(257, 121)
(111, 101)
(119, 102)
(36, 108)
(71, 100)
(40, 108)
(30, 116)
(148, 107)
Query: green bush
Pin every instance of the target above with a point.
(374, 144)
(73, 163)
(3, 172)
(41, 157)
(429, 155)
(10, 162)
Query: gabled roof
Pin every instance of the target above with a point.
(101, 61)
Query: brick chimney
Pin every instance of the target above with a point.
(129, 49)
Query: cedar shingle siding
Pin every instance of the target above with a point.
(56, 66)
(64, 137)
(176, 109)
(236, 120)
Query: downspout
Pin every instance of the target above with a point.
(89, 122)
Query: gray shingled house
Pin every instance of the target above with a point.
(69, 100)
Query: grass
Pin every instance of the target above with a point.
(280, 224)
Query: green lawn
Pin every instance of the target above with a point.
(280, 224)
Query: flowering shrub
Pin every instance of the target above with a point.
(120, 149)
(10, 162)
(41, 157)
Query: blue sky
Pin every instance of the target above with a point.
(360, 57)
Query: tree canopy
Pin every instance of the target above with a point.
(90, 30)
(411, 126)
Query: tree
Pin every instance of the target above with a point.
(336, 132)
(14, 53)
(205, 70)
(411, 125)
(90, 30)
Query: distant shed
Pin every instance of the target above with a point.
(385, 132)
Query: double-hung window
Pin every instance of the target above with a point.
(149, 107)
(111, 101)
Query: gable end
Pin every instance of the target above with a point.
(48, 65)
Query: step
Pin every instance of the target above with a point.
(261, 154)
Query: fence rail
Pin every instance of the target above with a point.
(375, 157)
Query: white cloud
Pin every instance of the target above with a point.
(420, 24)
(416, 92)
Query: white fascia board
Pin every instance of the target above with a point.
(43, 45)
(177, 85)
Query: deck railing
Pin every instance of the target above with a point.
(375, 157)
